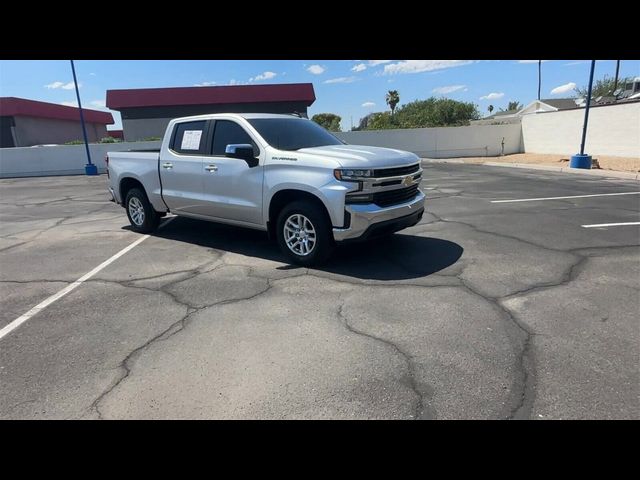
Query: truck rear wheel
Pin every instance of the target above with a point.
(143, 218)
(304, 233)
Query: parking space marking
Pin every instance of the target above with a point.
(597, 225)
(69, 288)
(563, 198)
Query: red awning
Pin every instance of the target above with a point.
(13, 106)
(157, 97)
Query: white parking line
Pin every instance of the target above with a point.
(563, 198)
(69, 288)
(597, 225)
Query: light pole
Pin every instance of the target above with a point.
(539, 77)
(615, 82)
(89, 168)
(580, 160)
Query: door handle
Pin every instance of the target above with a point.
(211, 168)
(167, 165)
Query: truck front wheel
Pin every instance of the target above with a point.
(304, 233)
(143, 217)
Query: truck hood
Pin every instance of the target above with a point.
(361, 156)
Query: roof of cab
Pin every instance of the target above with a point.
(247, 116)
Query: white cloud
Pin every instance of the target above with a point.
(373, 63)
(417, 66)
(98, 103)
(263, 76)
(578, 62)
(359, 67)
(531, 61)
(492, 96)
(566, 88)
(205, 84)
(449, 89)
(62, 85)
(70, 104)
(92, 74)
(368, 104)
(316, 69)
(341, 80)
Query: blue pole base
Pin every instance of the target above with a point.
(580, 161)
(91, 169)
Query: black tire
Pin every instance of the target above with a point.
(324, 243)
(151, 219)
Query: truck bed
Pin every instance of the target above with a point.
(141, 165)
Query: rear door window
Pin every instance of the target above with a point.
(190, 138)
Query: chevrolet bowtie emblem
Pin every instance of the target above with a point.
(408, 181)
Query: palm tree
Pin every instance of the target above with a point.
(490, 108)
(392, 98)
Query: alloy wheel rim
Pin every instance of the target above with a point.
(136, 211)
(299, 234)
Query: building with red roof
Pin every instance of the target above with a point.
(24, 123)
(147, 111)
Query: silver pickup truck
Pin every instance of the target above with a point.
(278, 173)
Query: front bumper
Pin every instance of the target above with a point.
(112, 194)
(368, 219)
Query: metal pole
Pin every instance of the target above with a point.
(539, 77)
(586, 110)
(615, 82)
(84, 129)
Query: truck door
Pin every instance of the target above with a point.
(181, 166)
(232, 188)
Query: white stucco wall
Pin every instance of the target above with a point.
(444, 142)
(59, 159)
(613, 130)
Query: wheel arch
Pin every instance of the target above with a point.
(126, 184)
(284, 197)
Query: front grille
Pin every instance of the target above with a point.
(395, 171)
(394, 197)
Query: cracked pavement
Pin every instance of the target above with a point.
(482, 311)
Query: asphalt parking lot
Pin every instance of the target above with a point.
(510, 310)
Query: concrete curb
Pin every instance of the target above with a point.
(549, 168)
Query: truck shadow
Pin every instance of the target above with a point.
(398, 257)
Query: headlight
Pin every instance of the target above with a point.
(351, 174)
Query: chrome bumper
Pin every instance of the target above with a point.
(365, 215)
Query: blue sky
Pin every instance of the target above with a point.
(349, 88)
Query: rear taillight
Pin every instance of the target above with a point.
(106, 161)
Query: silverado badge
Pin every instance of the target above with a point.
(408, 181)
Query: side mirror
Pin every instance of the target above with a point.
(243, 151)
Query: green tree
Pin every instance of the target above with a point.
(364, 122)
(433, 112)
(381, 121)
(392, 99)
(330, 121)
(490, 108)
(602, 87)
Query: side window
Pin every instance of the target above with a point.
(190, 138)
(227, 132)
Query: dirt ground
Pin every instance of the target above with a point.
(623, 164)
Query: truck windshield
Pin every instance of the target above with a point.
(293, 133)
